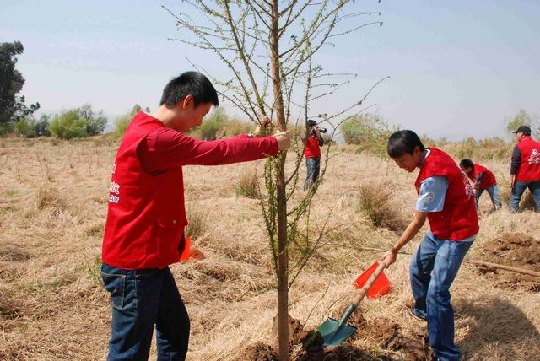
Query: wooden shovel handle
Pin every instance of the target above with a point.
(472, 261)
(362, 293)
(504, 267)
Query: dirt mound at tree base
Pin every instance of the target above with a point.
(516, 250)
(306, 345)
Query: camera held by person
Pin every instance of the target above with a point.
(313, 124)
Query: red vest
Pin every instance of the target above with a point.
(489, 178)
(529, 170)
(312, 147)
(146, 215)
(458, 220)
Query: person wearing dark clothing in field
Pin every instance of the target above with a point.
(446, 200)
(484, 180)
(525, 168)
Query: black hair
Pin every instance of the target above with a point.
(311, 123)
(190, 82)
(466, 163)
(403, 142)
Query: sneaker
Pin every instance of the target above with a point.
(419, 314)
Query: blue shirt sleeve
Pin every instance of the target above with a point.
(432, 194)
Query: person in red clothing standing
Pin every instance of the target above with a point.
(484, 180)
(146, 218)
(446, 200)
(313, 142)
(525, 168)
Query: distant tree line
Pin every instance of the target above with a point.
(364, 130)
(16, 117)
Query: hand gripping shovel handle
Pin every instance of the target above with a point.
(362, 293)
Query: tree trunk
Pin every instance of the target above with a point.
(283, 268)
(283, 253)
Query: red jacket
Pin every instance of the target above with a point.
(488, 180)
(146, 214)
(312, 148)
(458, 220)
(529, 169)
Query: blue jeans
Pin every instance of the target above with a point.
(139, 300)
(433, 268)
(313, 170)
(519, 189)
(493, 194)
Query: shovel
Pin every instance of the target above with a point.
(335, 332)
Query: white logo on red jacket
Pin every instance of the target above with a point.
(535, 157)
(115, 188)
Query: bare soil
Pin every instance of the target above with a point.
(515, 250)
(510, 249)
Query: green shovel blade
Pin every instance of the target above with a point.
(333, 334)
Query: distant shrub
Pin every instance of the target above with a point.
(121, 123)
(218, 125)
(25, 127)
(369, 132)
(29, 127)
(68, 125)
(234, 127)
(375, 200)
(6, 127)
(211, 126)
(478, 150)
(76, 123)
(41, 127)
(248, 185)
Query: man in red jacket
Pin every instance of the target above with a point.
(446, 199)
(484, 180)
(313, 142)
(525, 168)
(144, 230)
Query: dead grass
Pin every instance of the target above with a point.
(248, 184)
(376, 201)
(53, 199)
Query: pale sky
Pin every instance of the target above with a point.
(457, 68)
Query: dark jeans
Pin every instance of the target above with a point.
(313, 169)
(139, 300)
(433, 268)
(517, 192)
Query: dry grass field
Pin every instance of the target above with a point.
(53, 202)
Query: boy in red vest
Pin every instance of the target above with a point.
(484, 180)
(525, 168)
(446, 200)
(313, 142)
(144, 230)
